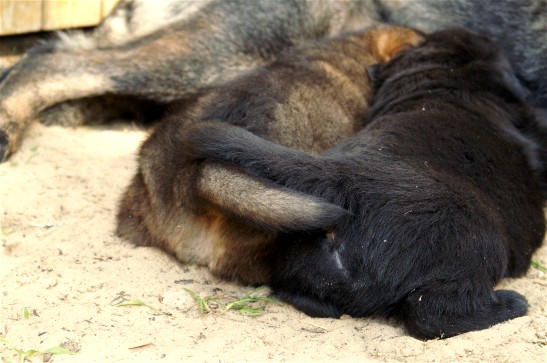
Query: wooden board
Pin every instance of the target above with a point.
(107, 6)
(61, 14)
(20, 16)
(25, 16)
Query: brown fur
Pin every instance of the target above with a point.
(310, 99)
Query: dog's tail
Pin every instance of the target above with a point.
(263, 203)
(257, 156)
(259, 180)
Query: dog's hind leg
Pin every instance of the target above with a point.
(42, 80)
(444, 311)
(131, 20)
(45, 77)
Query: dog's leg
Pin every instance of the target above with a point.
(147, 70)
(131, 20)
(42, 80)
(311, 306)
(445, 311)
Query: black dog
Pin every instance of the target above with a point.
(444, 184)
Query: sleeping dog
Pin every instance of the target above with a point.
(310, 98)
(444, 187)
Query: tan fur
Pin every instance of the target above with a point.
(392, 42)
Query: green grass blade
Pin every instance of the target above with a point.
(58, 350)
(28, 353)
(193, 294)
(136, 303)
(24, 354)
(538, 266)
(202, 304)
(245, 305)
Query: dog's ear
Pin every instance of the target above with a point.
(391, 40)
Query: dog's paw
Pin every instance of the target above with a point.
(6, 148)
(11, 134)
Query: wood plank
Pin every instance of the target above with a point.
(61, 14)
(107, 6)
(20, 16)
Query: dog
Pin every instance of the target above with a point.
(162, 52)
(310, 98)
(443, 185)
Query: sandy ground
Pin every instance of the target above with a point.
(61, 262)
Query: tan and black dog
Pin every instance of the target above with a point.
(167, 50)
(310, 99)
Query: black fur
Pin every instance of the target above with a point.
(443, 183)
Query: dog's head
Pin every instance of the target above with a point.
(459, 52)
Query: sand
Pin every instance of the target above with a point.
(63, 270)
